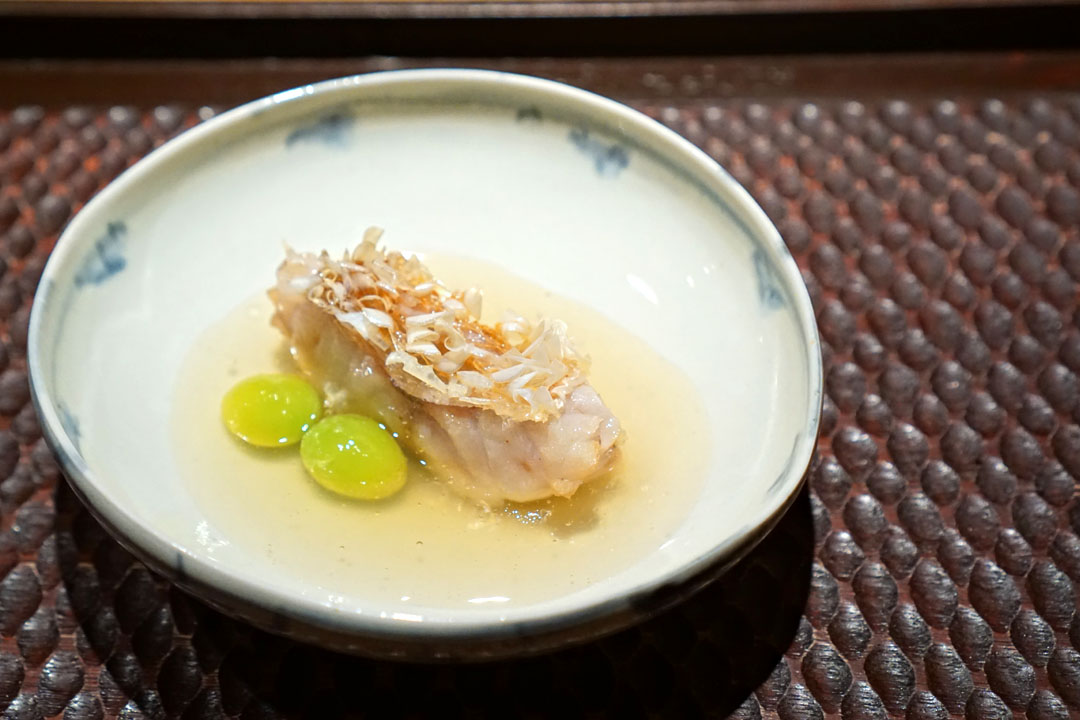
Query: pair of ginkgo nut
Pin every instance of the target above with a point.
(351, 455)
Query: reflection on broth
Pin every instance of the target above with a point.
(427, 546)
(566, 517)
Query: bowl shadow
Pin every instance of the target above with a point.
(165, 654)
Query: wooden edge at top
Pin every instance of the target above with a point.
(61, 83)
(436, 9)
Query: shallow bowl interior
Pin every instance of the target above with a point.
(569, 190)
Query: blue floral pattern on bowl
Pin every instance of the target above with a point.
(609, 159)
(106, 259)
(331, 130)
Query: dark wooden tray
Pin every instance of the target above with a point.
(929, 570)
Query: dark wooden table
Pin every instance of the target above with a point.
(928, 570)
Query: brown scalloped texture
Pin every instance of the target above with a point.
(929, 571)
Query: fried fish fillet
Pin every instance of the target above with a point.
(501, 413)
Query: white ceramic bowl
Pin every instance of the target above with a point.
(604, 206)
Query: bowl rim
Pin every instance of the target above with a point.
(197, 573)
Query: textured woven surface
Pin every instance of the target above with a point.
(928, 570)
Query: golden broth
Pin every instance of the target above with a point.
(425, 546)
